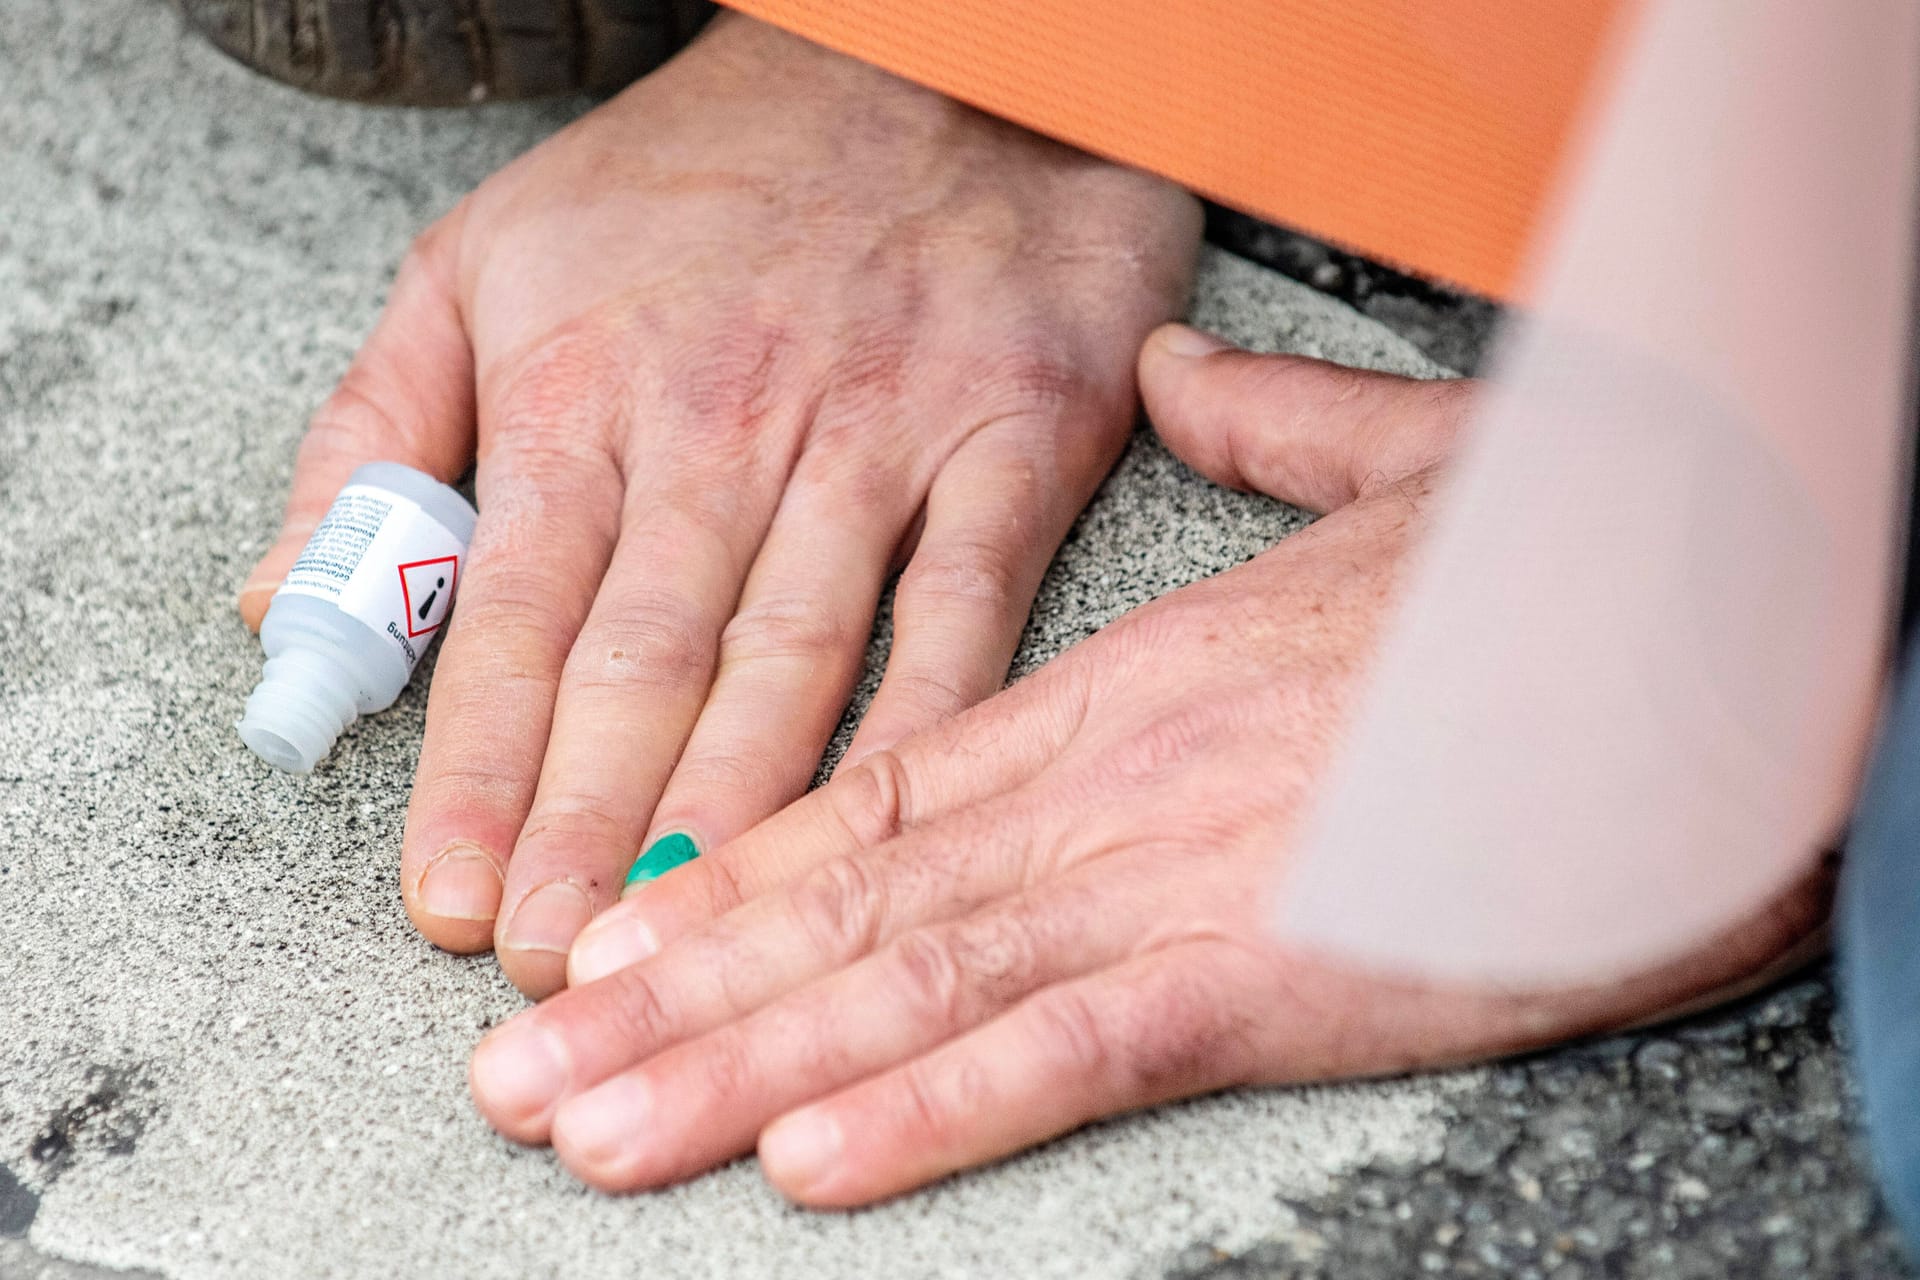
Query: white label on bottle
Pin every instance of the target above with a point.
(384, 560)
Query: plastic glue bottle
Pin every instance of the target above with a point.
(365, 599)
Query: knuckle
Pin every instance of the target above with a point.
(634, 1011)
(931, 694)
(860, 411)
(510, 602)
(558, 382)
(966, 573)
(790, 625)
(546, 440)
(1036, 377)
(945, 1099)
(725, 887)
(727, 1066)
(929, 974)
(740, 770)
(873, 799)
(742, 970)
(996, 954)
(574, 821)
(729, 389)
(858, 479)
(868, 377)
(355, 421)
(475, 786)
(838, 908)
(651, 641)
(693, 521)
(483, 794)
(967, 969)
(929, 1114)
(1073, 1038)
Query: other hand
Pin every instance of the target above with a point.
(1053, 907)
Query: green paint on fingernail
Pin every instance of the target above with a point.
(662, 856)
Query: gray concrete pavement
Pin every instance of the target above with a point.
(223, 1052)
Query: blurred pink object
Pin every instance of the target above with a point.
(1630, 693)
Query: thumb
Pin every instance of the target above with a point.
(407, 397)
(1306, 431)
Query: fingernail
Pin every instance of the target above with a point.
(254, 586)
(461, 883)
(519, 1070)
(549, 918)
(608, 945)
(662, 856)
(601, 1127)
(800, 1151)
(1189, 343)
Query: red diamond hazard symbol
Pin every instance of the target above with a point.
(427, 588)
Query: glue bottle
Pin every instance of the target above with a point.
(365, 599)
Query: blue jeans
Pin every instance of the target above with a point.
(1879, 917)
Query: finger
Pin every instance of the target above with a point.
(788, 662)
(704, 1101)
(992, 751)
(1305, 431)
(825, 921)
(407, 397)
(549, 512)
(1165, 1025)
(994, 518)
(630, 692)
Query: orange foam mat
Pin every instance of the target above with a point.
(1425, 134)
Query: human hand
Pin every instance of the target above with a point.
(730, 348)
(1053, 907)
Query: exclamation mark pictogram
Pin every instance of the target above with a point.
(426, 589)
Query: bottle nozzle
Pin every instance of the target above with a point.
(303, 701)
